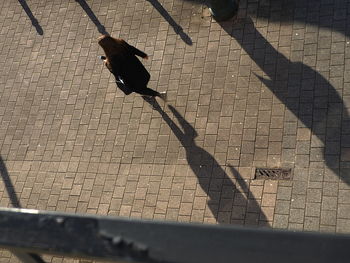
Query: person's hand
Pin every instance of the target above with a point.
(146, 57)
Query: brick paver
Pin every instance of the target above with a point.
(269, 89)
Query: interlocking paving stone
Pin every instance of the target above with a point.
(270, 89)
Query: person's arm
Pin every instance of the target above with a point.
(108, 65)
(113, 69)
(137, 52)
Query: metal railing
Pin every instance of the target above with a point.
(28, 233)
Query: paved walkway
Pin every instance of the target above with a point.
(271, 89)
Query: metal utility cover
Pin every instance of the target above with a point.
(273, 173)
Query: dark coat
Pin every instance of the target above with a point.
(129, 68)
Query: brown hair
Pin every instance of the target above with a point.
(112, 46)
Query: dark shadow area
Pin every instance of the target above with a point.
(305, 92)
(212, 178)
(8, 185)
(177, 28)
(25, 257)
(92, 16)
(325, 14)
(29, 13)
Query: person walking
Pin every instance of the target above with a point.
(131, 75)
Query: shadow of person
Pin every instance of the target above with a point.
(29, 13)
(212, 178)
(306, 93)
(92, 16)
(8, 185)
(177, 28)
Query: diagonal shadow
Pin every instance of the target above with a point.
(326, 14)
(212, 178)
(8, 185)
(29, 13)
(177, 28)
(304, 91)
(23, 256)
(92, 16)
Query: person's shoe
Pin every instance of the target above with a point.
(163, 95)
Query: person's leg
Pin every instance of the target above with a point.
(148, 92)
